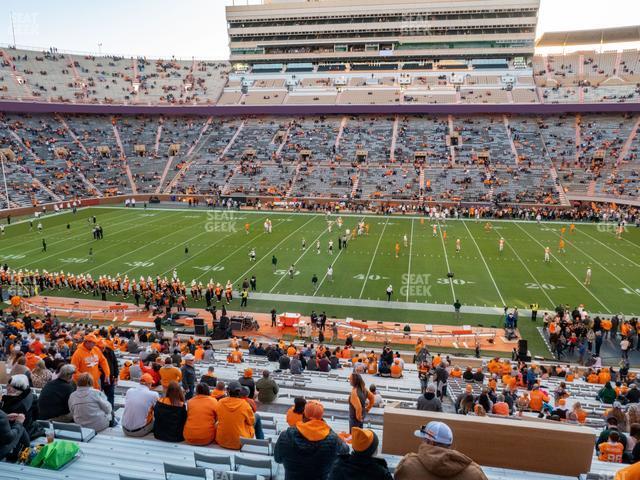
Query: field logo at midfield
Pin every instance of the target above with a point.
(415, 285)
(139, 264)
(221, 222)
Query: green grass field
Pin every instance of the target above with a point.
(152, 242)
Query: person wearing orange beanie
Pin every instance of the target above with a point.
(361, 463)
(309, 449)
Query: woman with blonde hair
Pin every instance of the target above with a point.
(633, 413)
(618, 413)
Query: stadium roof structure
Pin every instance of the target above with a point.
(589, 37)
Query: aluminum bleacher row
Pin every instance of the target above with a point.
(109, 454)
(578, 77)
(55, 158)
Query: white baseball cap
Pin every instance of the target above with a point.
(437, 432)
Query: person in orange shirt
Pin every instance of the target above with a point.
(397, 248)
(361, 401)
(396, 369)
(169, 373)
(561, 246)
(219, 392)
(124, 372)
(235, 356)
(235, 419)
(31, 359)
(577, 414)
(292, 351)
(296, 412)
(456, 372)
(199, 353)
(604, 376)
(592, 377)
(89, 359)
(536, 399)
(612, 449)
(500, 407)
(200, 427)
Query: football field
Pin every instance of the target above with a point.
(152, 242)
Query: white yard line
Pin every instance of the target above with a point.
(306, 250)
(137, 224)
(596, 262)
(375, 252)
(332, 264)
(485, 263)
(273, 249)
(241, 247)
(46, 231)
(409, 269)
(552, 304)
(609, 248)
(568, 271)
(446, 259)
(129, 252)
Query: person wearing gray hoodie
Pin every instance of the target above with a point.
(429, 401)
(89, 407)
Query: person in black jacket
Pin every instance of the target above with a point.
(189, 376)
(13, 436)
(19, 399)
(309, 449)
(247, 381)
(109, 387)
(53, 402)
(633, 394)
(361, 464)
(170, 415)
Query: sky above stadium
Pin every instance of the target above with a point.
(197, 28)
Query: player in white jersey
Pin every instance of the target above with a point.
(304, 244)
(329, 225)
(501, 245)
(435, 230)
(405, 240)
(2, 229)
(458, 245)
(330, 273)
(252, 255)
(339, 222)
(587, 277)
(330, 247)
(547, 254)
(39, 227)
(318, 247)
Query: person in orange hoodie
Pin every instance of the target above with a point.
(31, 359)
(309, 449)
(169, 373)
(235, 419)
(88, 358)
(200, 427)
(296, 412)
(537, 397)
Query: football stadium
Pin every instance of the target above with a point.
(374, 239)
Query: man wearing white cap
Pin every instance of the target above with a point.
(436, 460)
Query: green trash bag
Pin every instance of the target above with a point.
(56, 455)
